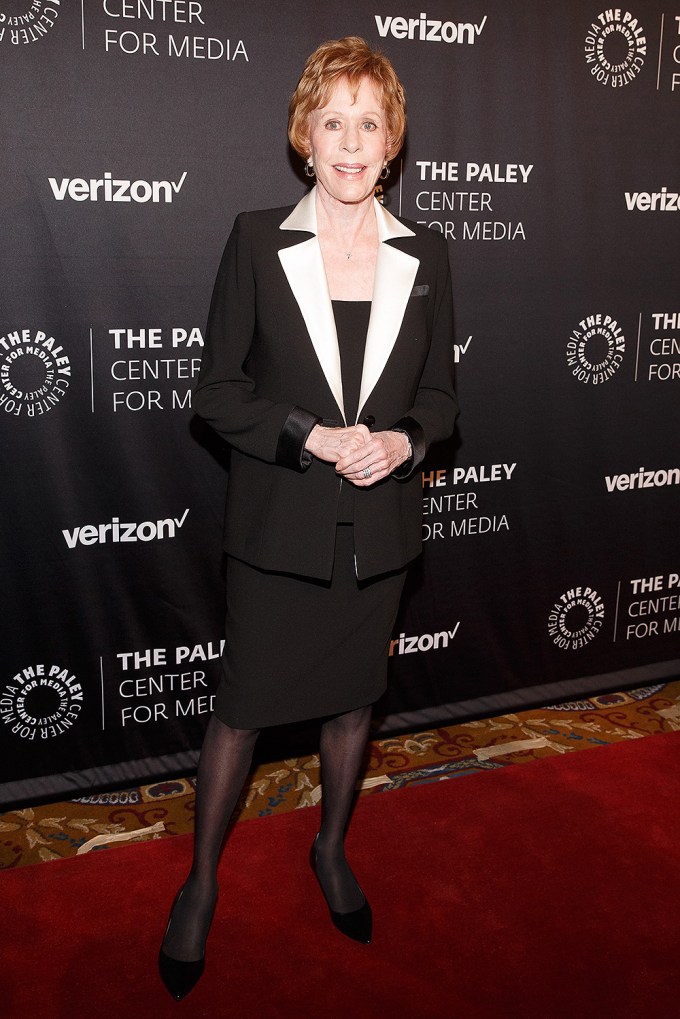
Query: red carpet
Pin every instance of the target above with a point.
(545, 891)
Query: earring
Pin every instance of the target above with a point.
(384, 173)
(309, 170)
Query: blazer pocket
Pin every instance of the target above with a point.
(421, 291)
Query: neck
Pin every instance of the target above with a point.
(346, 219)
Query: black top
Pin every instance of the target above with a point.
(351, 324)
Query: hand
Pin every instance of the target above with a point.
(334, 444)
(381, 455)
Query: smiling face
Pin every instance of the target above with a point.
(348, 142)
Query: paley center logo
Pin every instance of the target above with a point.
(615, 47)
(117, 531)
(429, 29)
(33, 21)
(595, 349)
(111, 189)
(35, 372)
(41, 701)
(576, 618)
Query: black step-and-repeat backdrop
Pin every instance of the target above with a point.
(543, 143)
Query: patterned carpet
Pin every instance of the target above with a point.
(58, 830)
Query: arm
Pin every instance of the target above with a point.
(225, 395)
(433, 414)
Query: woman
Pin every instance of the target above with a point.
(328, 368)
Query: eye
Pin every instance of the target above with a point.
(369, 125)
(332, 125)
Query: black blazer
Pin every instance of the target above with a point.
(271, 371)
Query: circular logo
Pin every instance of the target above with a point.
(26, 21)
(34, 373)
(615, 48)
(41, 702)
(595, 349)
(576, 618)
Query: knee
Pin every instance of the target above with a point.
(350, 721)
(234, 735)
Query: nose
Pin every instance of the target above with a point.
(352, 140)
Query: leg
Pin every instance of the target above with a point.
(223, 768)
(343, 741)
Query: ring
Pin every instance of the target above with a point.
(367, 472)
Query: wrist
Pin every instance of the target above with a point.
(314, 439)
(406, 449)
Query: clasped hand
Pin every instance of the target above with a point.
(360, 456)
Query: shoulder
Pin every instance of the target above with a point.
(258, 220)
(421, 239)
(258, 230)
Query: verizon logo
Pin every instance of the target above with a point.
(429, 29)
(117, 532)
(656, 201)
(110, 189)
(642, 479)
(403, 645)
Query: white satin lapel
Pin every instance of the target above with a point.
(303, 265)
(395, 273)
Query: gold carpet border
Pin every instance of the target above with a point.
(162, 809)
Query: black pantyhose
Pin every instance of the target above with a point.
(222, 771)
(223, 768)
(343, 741)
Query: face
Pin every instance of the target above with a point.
(348, 141)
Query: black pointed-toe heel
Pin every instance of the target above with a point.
(178, 976)
(357, 924)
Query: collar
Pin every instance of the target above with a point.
(303, 217)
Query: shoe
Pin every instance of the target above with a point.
(178, 976)
(357, 924)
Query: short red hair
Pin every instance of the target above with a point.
(351, 58)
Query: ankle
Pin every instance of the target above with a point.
(329, 845)
(202, 880)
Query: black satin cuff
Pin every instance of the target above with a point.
(410, 427)
(290, 449)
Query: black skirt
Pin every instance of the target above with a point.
(298, 648)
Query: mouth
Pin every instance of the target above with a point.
(349, 169)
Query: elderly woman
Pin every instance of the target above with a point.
(328, 369)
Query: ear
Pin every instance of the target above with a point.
(305, 149)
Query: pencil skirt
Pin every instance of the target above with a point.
(299, 648)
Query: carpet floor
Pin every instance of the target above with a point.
(549, 892)
(35, 834)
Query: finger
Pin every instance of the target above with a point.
(361, 457)
(368, 474)
(353, 463)
(371, 460)
(376, 476)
